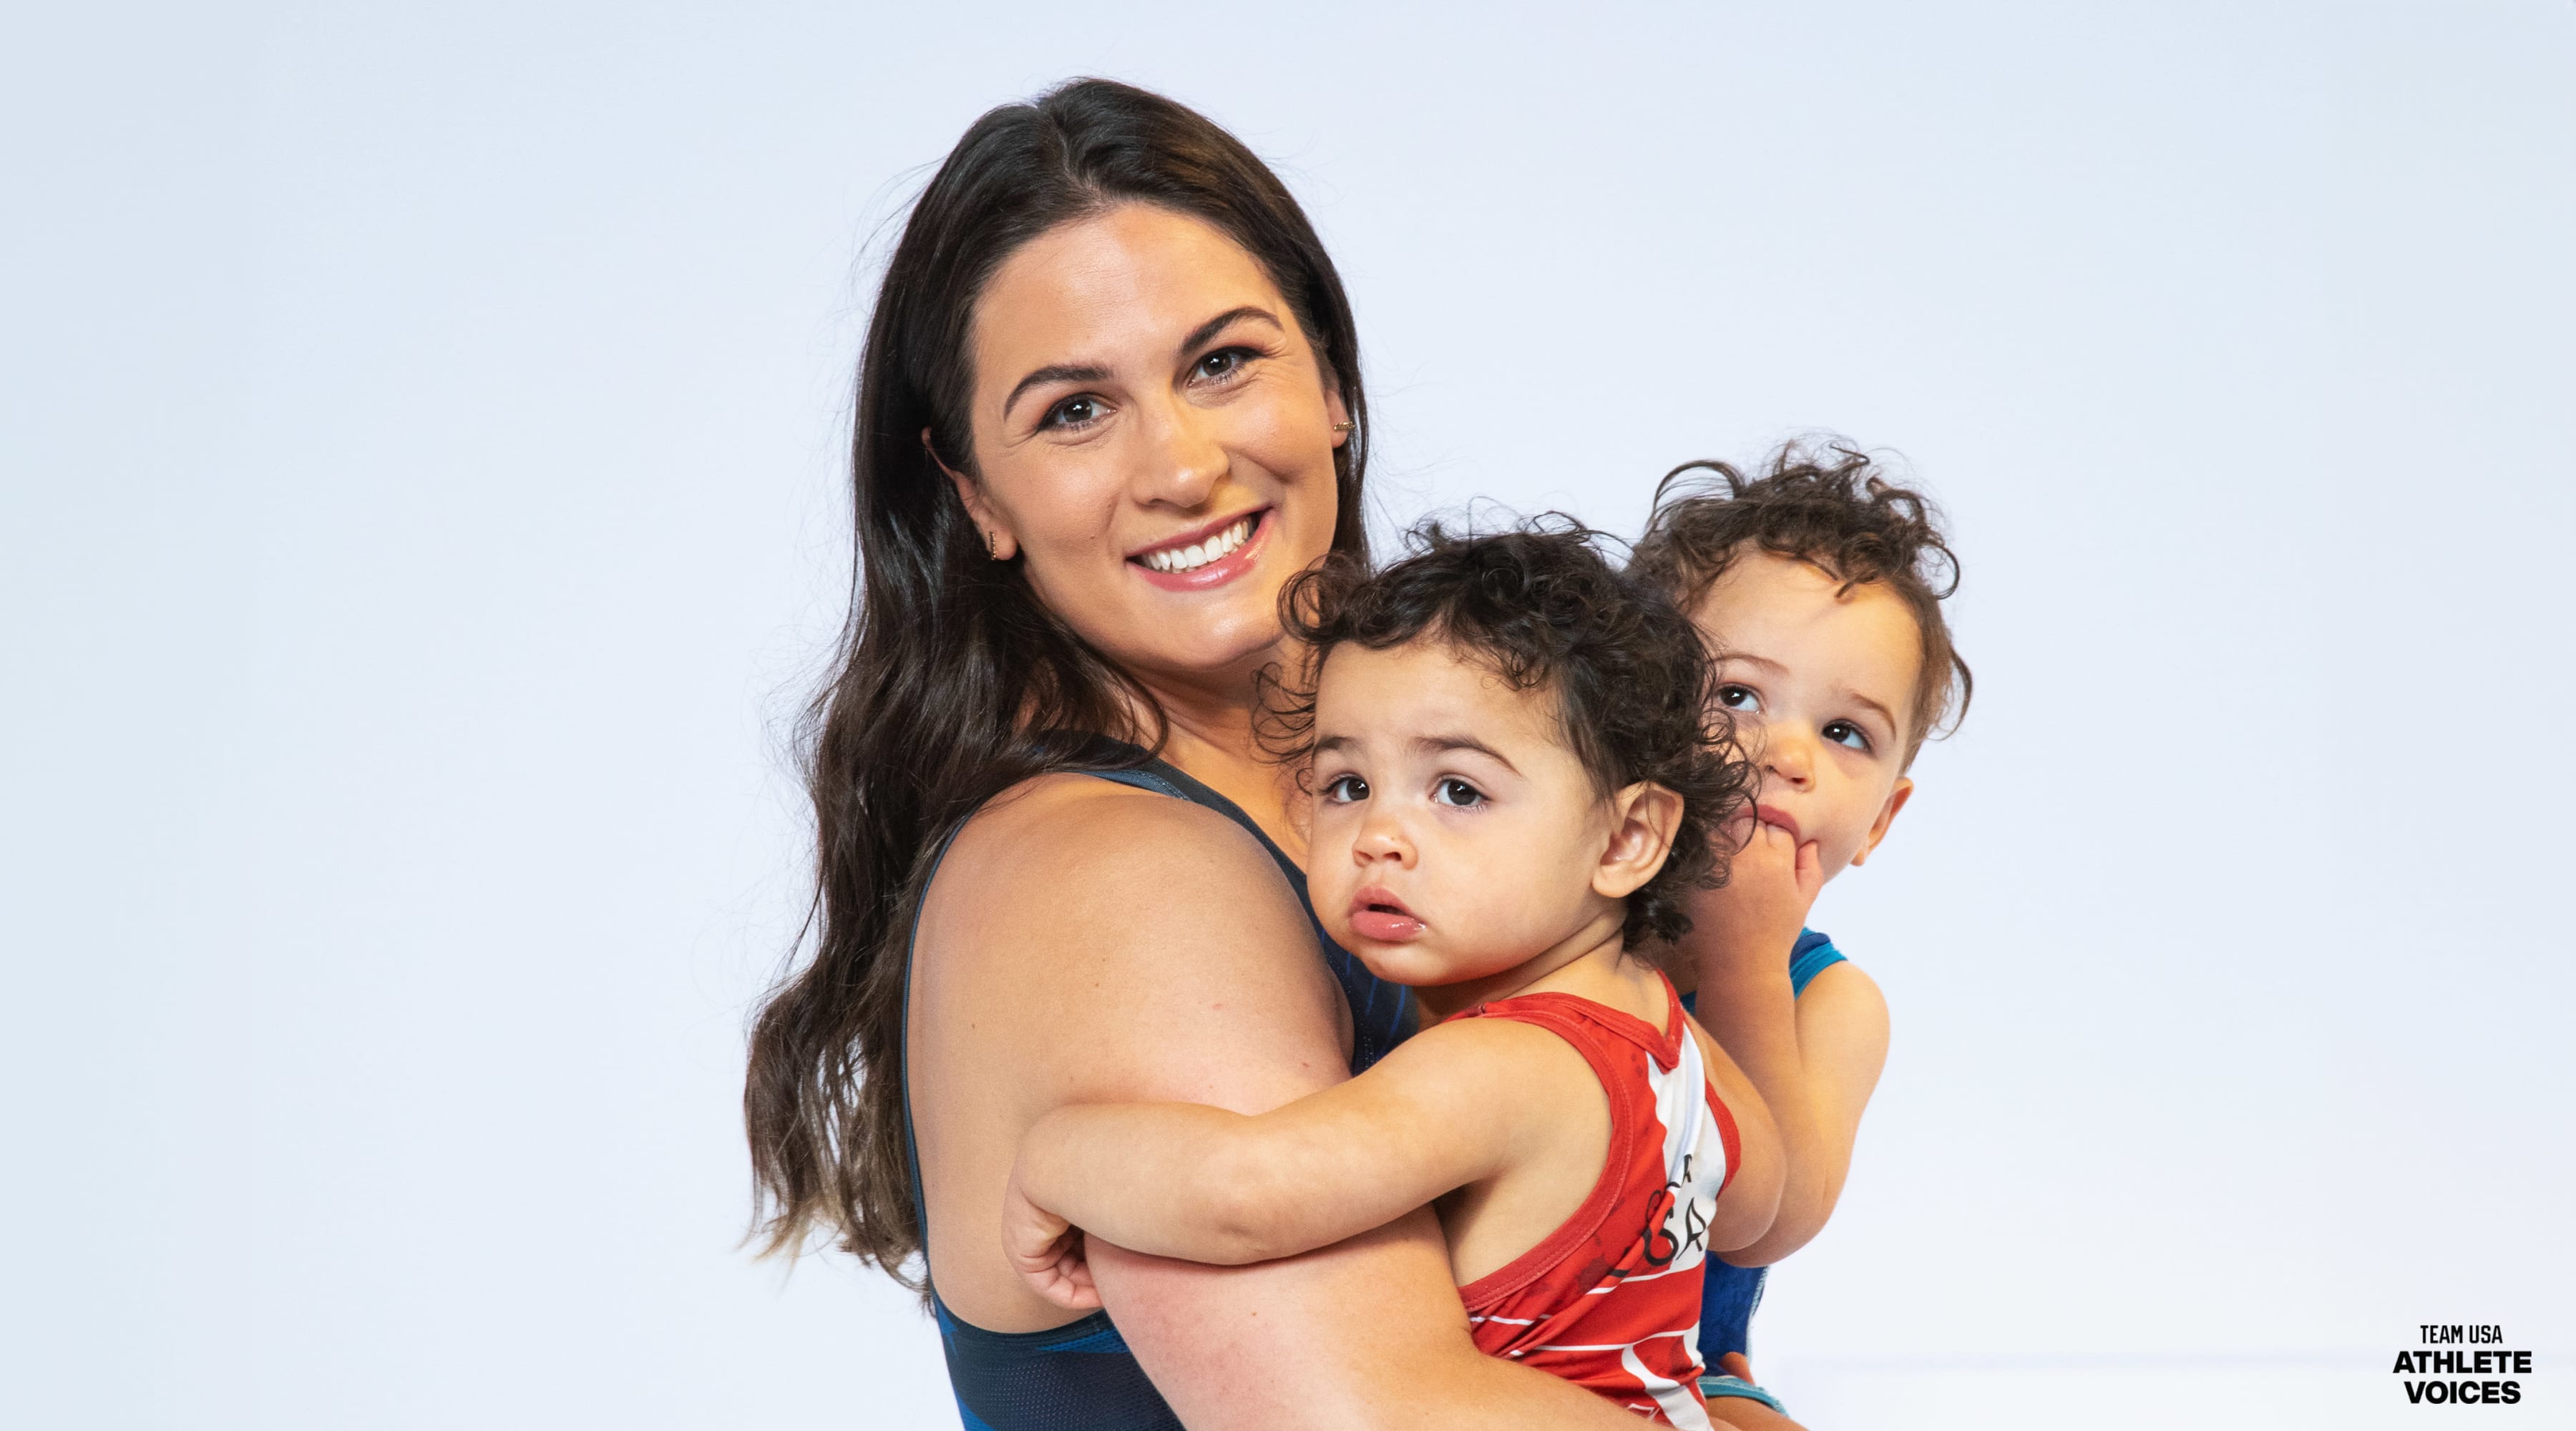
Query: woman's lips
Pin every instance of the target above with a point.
(1210, 573)
(1381, 918)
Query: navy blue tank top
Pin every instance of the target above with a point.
(1730, 1293)
(1080, 1376)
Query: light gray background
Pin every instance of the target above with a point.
(422, 507)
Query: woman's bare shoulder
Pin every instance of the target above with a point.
(1068, 833)
(1150, 942)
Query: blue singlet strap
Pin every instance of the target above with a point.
(1382, 1013)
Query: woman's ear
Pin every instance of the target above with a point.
(1336, 411)
(1648, 815)
(998, 542)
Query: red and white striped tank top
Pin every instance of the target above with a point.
(1611, 1299)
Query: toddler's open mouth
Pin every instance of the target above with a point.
(1379, 916)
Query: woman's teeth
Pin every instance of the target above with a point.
(1191, 558)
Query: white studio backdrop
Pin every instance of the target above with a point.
(420, 508)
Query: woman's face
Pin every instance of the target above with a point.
(1153, 439)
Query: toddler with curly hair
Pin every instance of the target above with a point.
(1818, 585)
(1516, 783)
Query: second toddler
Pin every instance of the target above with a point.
(1819, 586)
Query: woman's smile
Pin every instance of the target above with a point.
(1206, 556)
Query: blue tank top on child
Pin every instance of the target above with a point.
(1730, 1293)
(1081, 1376)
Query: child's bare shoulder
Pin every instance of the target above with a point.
(1503, 1057)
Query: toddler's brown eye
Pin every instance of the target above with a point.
(1459, 793)
(1345, 789)
(1738, 698)
(1843, 732)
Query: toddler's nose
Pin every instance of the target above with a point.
(1788, 761)
(1382, 839)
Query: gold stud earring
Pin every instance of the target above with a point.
(1344, 426)
(992, 546)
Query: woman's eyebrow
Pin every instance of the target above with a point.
(1094, 373)
(1216, 325)
(1054, 373)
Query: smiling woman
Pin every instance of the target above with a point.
(1108, 408)
(1144, 341)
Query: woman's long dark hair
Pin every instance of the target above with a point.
(952, 682)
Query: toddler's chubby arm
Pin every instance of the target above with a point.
(1815, 1058)
(1750, 1204)
(1453, 1105)
(1842, 1047)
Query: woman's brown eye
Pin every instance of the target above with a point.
(1073, 412)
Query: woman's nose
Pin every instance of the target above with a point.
(1184, 460)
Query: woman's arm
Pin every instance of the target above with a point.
(1087, 944)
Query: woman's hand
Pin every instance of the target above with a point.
(1047, 1251)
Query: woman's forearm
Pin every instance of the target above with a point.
(1366, 1335)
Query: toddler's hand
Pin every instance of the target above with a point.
(1771, 884)
(1046, 1251)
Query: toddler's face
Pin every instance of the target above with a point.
(1455, 834)
(1821, 682)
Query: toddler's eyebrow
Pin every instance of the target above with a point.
(1884, 713)
(1442, 744)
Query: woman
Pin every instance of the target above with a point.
(1110, 402)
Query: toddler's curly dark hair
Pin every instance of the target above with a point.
(1542, 608)
(1830, 506)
